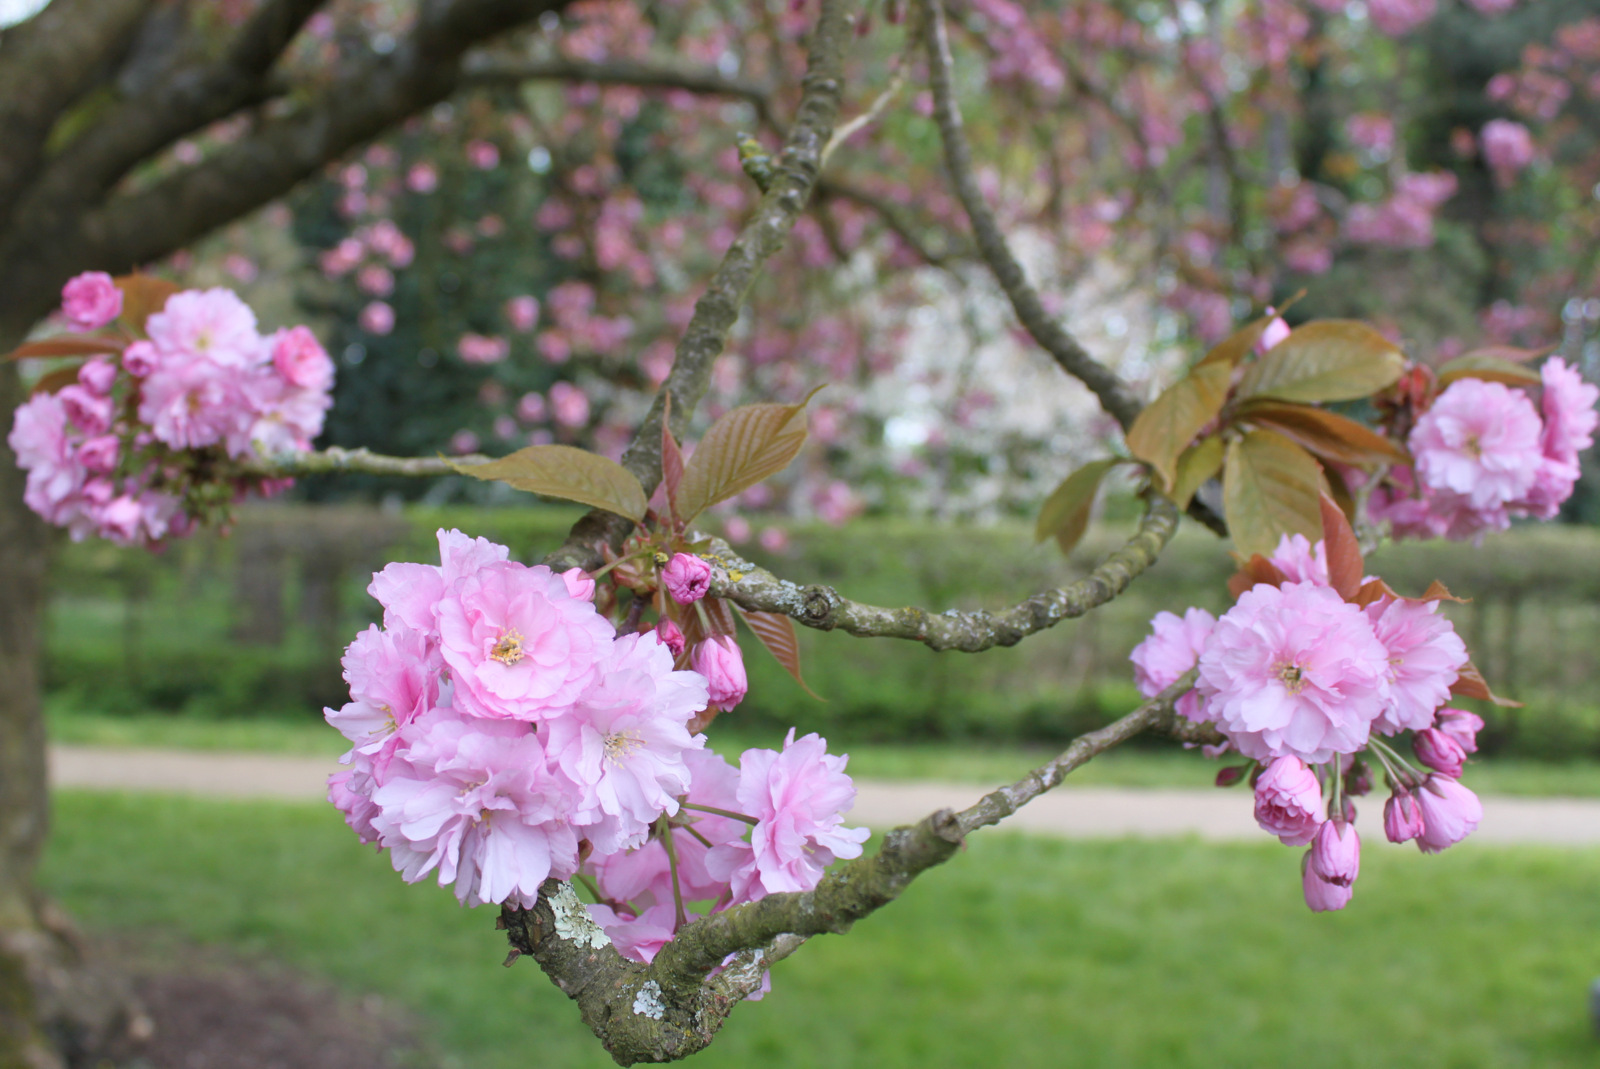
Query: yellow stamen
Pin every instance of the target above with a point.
(509, 649)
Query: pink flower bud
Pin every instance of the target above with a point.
(719, 660)
(1275, 332)
(1461, 726)
(301, 359)
(687, 578)
(1331, 866)
(90, 412)
(579, 584)
(99, 454)
(1439, 752)
(139, 359)
(1230, 774)
(1289, 801)
(91, 300)
(669, 633)
(1450, 813)
(1402, 817)
(97, 375)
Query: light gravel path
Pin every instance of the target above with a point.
(1068, 812)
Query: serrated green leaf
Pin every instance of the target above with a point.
(1198, 463)
(1271, 487)
(568, 473)
(1325, 360)
(743, 447)
(1486, 366)
(1165, 428)
(1065, 515)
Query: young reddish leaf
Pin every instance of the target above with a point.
(1199, 463)
(720, 613)
(1167, 426)
(1253, 573)
(776, 633)
(671, 463)
(743, 447)
(1065, 514)
(1236, 346)
(568, 473)
(1486, 364)
(1333, 484)
(1326, 360)
(1437, 591)
(56, 380)
(1341, 550)
(142, 296)
(1372, 591)
(68, 345)
(1471, 684)
(1325, 433)
(1271, 487)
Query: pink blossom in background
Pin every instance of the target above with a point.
(91, 300)
(1492, 7)
(422, 178)
(1507, 148)
(569, 405)
(1450, 813)
(463, 442)
(1480, 440)
(1294, 670)
(1289, 801)
(506, 428)
(531, 408)
(377, 318)
(1372, 132)
(1173, 647)
(375, 280)
(522, 313)
(686, 578)
(1396, 18)
(719, 660)
(484, 155)
(241, 268)
(482, 349)
(773, 539)
(798, 795)
(1331, 866)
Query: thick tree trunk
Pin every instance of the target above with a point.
(55, 1008)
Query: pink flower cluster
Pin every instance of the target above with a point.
(1483, 455)
(112, 453)
(1304, 683)
(501, 731)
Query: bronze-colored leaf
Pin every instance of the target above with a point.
(142, 296)
(1325, 433)
(1437, 591)
(776, 633)
(1341, 550)
(1487, 365)
(1065, 515)
(743, 447)
(1198, 464)
(68, 345)
(1252, 573)
(1471, 684)
(1325, 360)
(1167, 426)
(671, 464)
(1373, 590)
(568, 473)
(57, 380)
(1271, 487)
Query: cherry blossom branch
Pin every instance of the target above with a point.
(825, 609)
(1114, 394)
(672, 1008)
(794, 179)
(642, 74)
(335, 458)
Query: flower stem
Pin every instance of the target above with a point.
(721, 812)
(672, 865)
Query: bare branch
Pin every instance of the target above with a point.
(357, 460)
(934, 245)
(1114, 394)
(496, 70)
(670, 1008)
(824, 608)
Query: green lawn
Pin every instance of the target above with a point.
(1145, 955)
(951, 761)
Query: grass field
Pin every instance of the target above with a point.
(1113, 955)
(949, 761)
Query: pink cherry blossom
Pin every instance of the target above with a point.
(1300, 560)
(97, 376)
(1294, 670)
(1173, 647)
(1289, 801)
(522, 313)
(301, 359)
(719, 660)
(798, 797)
(213, 324)
(1402, 817)
(1396, 18)
(637, 937)
(1481, 441)
(1425, 659)
(1331, 866)
(1507, 147)
(422, 178)
(672, 636)
(1450, 813)
(579, 584)
(140, 358)
(1439, 752)
(1461, 726)
(569, 405)
(1569, 411)
(482, 349)
(377, 318)
(91, 300)
(517, 643)
(687, 578)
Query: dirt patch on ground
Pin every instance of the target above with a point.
(206, 1010)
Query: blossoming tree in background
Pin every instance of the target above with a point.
(519, 731)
